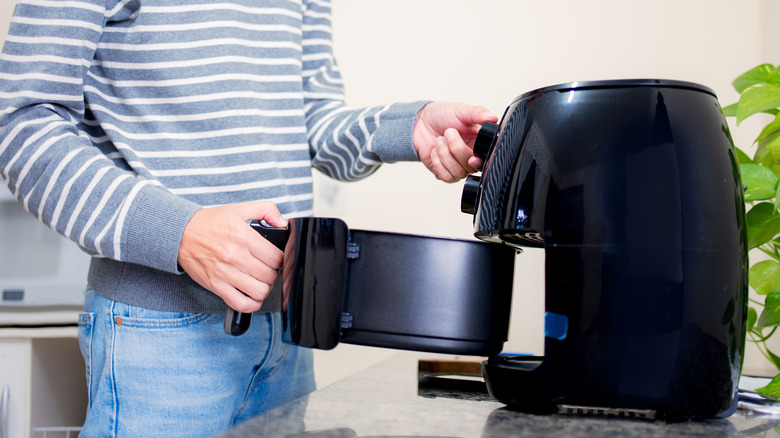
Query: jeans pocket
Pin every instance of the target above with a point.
(86, 325)
(139, 317)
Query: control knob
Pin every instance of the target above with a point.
(486, 137)
(470, 196)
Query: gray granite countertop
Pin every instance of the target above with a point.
(386, 400)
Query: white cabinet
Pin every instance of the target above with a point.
(42, 383)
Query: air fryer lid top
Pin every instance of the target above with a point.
(594, 162)
(616, 83)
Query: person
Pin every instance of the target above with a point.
(150, 132)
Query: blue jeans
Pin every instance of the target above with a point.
(154, 373)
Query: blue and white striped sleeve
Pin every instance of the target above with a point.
(347, 143)
(51, 166)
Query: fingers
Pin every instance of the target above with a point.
(242, 274)
(444, 136)
(476, 162)
(451, 157)
(250, 272)
(266, 211)
(479, 116)
(247, 298)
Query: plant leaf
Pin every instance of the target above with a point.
(742, 158)
(762, 224)
(756, 75)
(763, 156)
(766, 158)
(752, 317)
(771, 142)
(771, 128)
(761, 182)
(730, 110)
(770, 316)
(777, 198)
(758, 98)
(765, 276)
(773, 388)
(774, 358)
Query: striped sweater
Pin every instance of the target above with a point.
(120, 118)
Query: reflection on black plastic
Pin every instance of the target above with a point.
(313, 281)
(453, 387)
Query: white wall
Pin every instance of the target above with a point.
(6, 9)
(487, 52)
(770, 31)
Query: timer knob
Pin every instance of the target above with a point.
(485, 138)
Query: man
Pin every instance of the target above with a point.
(150, 132)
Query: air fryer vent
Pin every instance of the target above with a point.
(523, 238)
(643, 414)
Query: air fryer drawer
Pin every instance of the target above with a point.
(395, 290)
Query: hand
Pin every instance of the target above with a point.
(444, 136)
(222, 253)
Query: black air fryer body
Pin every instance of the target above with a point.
(632, 188)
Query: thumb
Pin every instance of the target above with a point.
(480, 115)
(277, 220)
(266, 211)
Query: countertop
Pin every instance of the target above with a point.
(386, 400)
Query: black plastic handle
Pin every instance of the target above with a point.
(237, 323)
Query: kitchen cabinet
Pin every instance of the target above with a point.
(42, 382)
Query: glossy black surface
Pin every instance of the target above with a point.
(314, 278)
(632, 188)
(429, 294)
(395, 290)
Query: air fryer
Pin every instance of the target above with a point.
(632, 189)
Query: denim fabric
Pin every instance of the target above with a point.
(153, 373)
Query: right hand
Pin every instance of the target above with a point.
(222, 253)
(444, 135)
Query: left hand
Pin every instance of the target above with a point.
(221, 252)
(444, 136)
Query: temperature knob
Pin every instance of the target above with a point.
(470, 196)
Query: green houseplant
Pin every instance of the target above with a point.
(759, 90)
